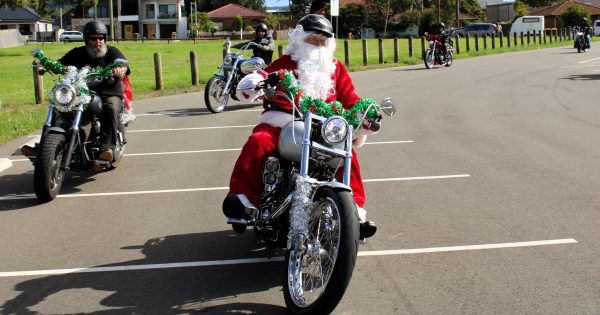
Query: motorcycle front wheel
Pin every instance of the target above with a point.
(429, 59)
(215, 97)
(48, 176)
(316, 279)
(449, 59)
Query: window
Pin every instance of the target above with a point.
(150, 11)
(167, 11)
(531, 20)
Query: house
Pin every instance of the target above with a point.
(225, 15)
(552, 13)
(27, 21)
(151, 19)
(500, 10)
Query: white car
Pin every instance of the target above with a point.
(71, 36)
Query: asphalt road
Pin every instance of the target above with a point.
(485, 186)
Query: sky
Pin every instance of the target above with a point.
(276, 3)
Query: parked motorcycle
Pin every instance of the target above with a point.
(70, 137)
(581, 41)
(435, 55)
(223, 84)
(304, 208)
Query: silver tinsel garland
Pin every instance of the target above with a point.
(300, 213)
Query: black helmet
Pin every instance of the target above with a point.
(94, 28)
(261, 27)
(584, 21)
(441, 26)
(317, 23)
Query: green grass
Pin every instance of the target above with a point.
(19, 114)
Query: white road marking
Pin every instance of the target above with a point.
(182, 152)
(191, 128)
(5, 164)
(145, 192)
(217, 150)
(414, 178)
(228, 111)
(584, 61)
(209, 263)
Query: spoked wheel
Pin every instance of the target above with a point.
(317, 278)
(48, 175)
(429, 59)
(214, 97)
(449, 59)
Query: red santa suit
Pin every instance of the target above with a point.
(247, 173)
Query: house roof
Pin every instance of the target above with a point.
(232, 10)
(557, 9)
(19, 15)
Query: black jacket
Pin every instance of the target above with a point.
(78, 57)
(266, 55)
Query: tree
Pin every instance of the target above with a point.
(521, 8)
(238, 23)
(573, 15)
(539, 3)
(272, 21)
(352, 17)
(205, 24)
(299, 8)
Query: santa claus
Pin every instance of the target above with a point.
(310, 56)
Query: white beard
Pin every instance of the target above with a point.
(315, 64)
(96, 51)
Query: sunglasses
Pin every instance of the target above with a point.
(93, 39)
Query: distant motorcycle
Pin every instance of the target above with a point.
(223, 84)
(71, 134)
(435, 55)
(581, 42)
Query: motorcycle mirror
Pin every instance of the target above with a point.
(264, 41)
(36, 51)
(387, 106)
(425, 34)
(122, 62)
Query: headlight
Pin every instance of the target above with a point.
(334, 129)
(228, 59)
(63, 96)
(430, 42)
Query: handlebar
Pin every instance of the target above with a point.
(56, 67)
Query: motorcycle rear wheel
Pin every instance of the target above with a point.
(429, 59)
(215, 102)
(315, 280)
(48, 176)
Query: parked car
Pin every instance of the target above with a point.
(71, 36)
(472, 29)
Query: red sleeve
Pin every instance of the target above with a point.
(344, 88)
(285, 62)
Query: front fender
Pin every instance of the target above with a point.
(336, 186)
(56, 130)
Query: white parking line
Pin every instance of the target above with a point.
(584, 61)
(192, 128)
(164, 191)
(209, 263)
(5, 164)
(218, 150)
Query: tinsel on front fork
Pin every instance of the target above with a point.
(299, 214)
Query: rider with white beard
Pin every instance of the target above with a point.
(96, 53)
(310, 56)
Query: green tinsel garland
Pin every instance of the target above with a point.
(50, 65)
(57, 67)
(354, 115)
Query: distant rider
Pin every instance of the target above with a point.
(267, 44)
(584, 26)
(96, 53)
(440, 29)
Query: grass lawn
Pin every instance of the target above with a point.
(19, 114)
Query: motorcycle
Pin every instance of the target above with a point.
(224, 83)
(581, 42)
(304, 209)
(434, 54)
(70, 137)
